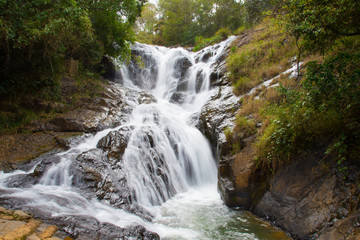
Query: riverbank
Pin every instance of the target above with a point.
(286, 161)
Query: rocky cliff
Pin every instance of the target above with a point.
(309, 196)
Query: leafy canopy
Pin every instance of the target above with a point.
(321, 22)
(37, 36)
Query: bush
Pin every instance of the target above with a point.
(327, 107)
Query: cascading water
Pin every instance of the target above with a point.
(163, 175)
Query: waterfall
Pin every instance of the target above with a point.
(166, 154)
(156, 170)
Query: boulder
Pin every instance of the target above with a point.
(94, 172)
(182, 65)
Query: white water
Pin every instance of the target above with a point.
(188, 205)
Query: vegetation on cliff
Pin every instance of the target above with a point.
(322, 103)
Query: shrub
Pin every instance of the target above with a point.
(328, 105)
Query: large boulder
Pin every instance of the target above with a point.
(100, 171)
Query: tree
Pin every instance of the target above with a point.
(176, 21)
(146, 25)
(37, 36)
(321, 22)
(183, 20)
(112, 21)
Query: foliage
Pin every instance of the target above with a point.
(328, 107)
(244, 127)
(321, 22)
(253, 10)
(182, 21)
(219, 36)
(146, 25)
(37, 36)
(112, 22)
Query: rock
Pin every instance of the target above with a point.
(116, 139)
(348, 228)
(109, 69)
(22, 231)
(219, 76)
(22, 215)
(206, 56)
(178, 97)
(300, 197)
(110, 110)
(90, 228)
(143, 68)
(100, 172)
(181, 68)
(217, 115)
(199, 81)
(48, 232)
(13, 154)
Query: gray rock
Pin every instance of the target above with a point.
(217, 115)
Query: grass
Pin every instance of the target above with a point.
(266, 55)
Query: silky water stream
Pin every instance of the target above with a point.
(167, 169)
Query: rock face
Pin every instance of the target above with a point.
(181, 67)
(308, 197)
(100, 171)
(142, 68)
(219, 112)
(217, 115)
(108, 111)
(305, 197)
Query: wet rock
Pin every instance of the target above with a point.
(225, 184)
(206, 56)
(90, 228)
(146, 98)
(178, 97)
(219, 76)
(109, 68)
(299, 198)
(143, 68)
(199, 81)
(182, 66)
(116, 139)
(100, 172)
(110, 110)
(217, 115)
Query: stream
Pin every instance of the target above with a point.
(156, 171)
